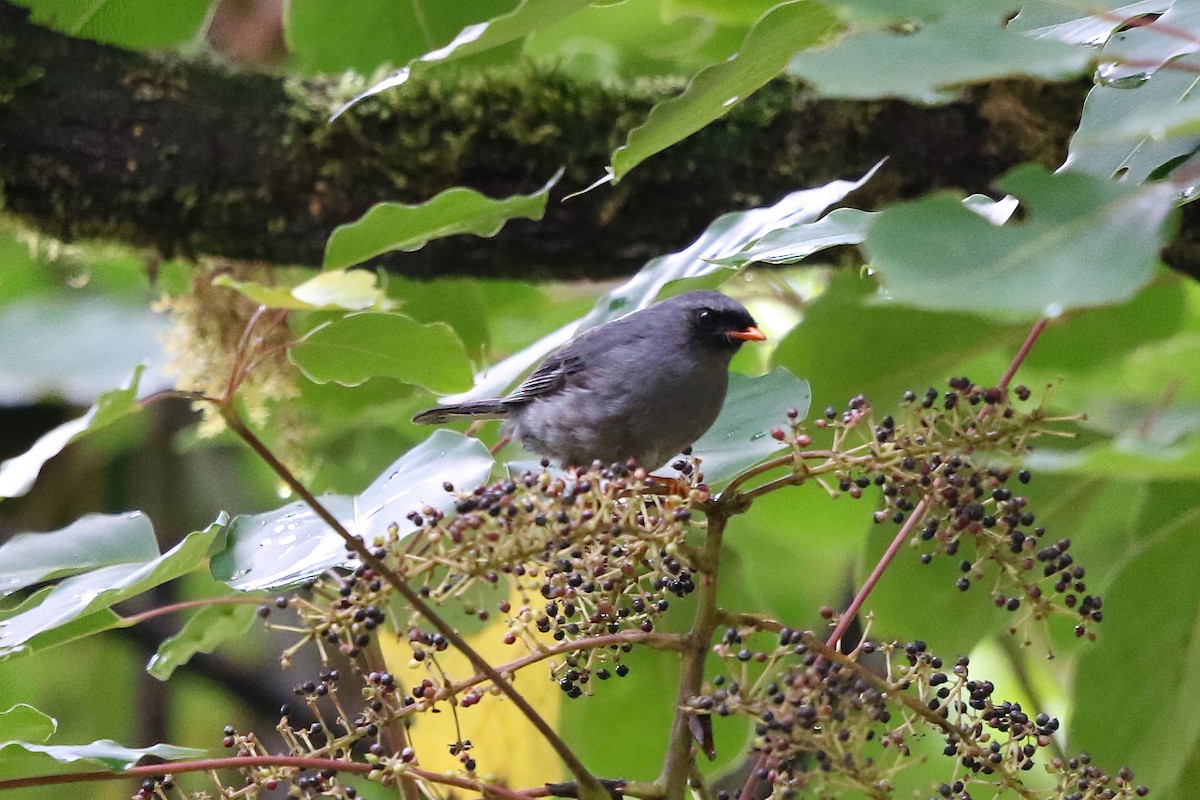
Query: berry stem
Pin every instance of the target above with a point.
(1026, 346)
(869, 584)
(589, 787)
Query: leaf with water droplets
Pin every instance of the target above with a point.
(741, 436)
(92, 541)
(1134, 134)
(292, 544)
(85, 600)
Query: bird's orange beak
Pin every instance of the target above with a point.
(751, 334)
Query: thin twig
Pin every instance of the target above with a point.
(181, 767)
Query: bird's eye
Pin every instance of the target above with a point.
(706, 318)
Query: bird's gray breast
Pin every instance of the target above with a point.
(624, 405)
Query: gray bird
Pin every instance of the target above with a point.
(643, 387)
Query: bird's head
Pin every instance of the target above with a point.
(718, 321)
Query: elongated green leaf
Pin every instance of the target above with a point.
(797, 242)
(24, 759)
(967, 45)
(741, 436)
(358, 347)
(26, 723)
(782, 31)
(351, 290)
(291, 544)
(79, 597)
(128, 23)
(395, 226)
(690, 268)
(17, 474)
(1086, 242)
(204, 632)
(527, 17)
(96, 540)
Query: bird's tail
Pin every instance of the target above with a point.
(478, 409)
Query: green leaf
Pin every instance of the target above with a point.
(797, 242)
(780, 33)
(18, 474)
(1086, 242)
(204, 632)
(968, 44)
(23, 759)
(333, 36)
(527, 17)
(95, 540)
(395, 226)
(358, 347)
(351, 290)
(1142, 669)
(135, 24)
(1136, 52)
(741, 436)
(892, 348)
(26, 723)
(690, 268)
(291, 544)
(81, 596)
(1131, 132)
(797, 525)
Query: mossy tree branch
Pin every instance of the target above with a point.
(193, 158)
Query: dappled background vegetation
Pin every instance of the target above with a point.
(881, 184)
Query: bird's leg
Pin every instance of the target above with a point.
(661, 484)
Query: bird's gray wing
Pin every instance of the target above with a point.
(548, 378)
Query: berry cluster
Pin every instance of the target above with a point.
(590, 552)
(950, 454)
(829, 722)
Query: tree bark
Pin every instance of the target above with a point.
(197, 159)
